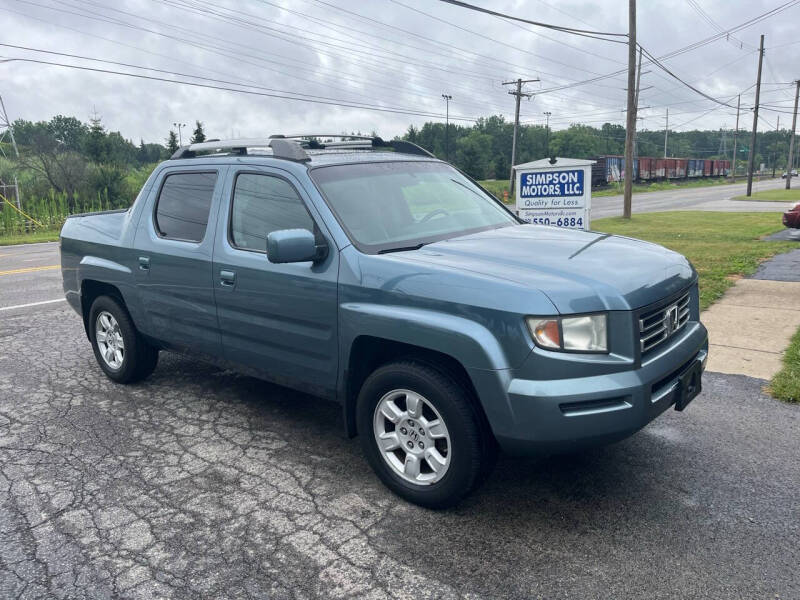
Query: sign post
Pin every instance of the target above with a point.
(557, 193)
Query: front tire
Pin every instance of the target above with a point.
(422, 435)
(122, 353)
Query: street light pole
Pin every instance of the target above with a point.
(547, 133)
(447, 99)
(790, 162)
(180, 137)
(735, 133)
(775, 153)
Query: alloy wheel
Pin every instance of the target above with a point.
(412, 437)
(109, 340)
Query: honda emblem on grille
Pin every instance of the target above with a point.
(671, 319)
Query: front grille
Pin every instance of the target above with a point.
(659, 325)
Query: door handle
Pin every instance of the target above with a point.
(144, 263)
(227, 278)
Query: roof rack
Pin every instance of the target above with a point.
(293, 147)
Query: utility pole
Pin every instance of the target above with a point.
(636, 108)
(547, 132)
(752, 156)
(790, 162)
(447, 99)
(775, 151)
(666, 134)
(735, 133)
(6, 128)
(180, 137)
(630, 124)
(519, 94)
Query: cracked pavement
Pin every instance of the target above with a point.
(201, 483)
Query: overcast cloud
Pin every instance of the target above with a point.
(354, 51)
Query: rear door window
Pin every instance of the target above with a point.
(184, 204)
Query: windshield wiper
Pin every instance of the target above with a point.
(469, 189)
(401, 248)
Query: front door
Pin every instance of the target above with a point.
(280, 320)
(173, 253)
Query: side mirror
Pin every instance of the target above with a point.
(294, 245)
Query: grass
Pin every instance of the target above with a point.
(498, 186)
(659, 186)
(721, 246)
(786, 384)
(30, 238)
(773, 196)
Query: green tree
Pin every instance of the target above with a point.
(149, 153)
(172, 142)
(198, 135)
(95, 145)
(473, 152)
(69, 132)
(119, 151)
(53, 150)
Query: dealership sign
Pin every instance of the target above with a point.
(556, 193)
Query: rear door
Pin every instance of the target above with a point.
(173, 260)
(278, 320)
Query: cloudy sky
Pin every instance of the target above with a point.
(346, 57)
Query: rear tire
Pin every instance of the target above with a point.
(121, 351)
(422, 434)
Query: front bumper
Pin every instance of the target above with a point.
(561, 415)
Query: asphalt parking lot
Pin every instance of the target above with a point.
(201, 483)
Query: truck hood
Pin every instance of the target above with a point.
(579, 271)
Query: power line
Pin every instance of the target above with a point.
(349, 44)
(216, 49)
(571, 30)
(496, 41)
(312, 100)
(239, 59)
(168, 72)
(329, 25)
(661, 66)
(684, 49)
(291, 38)
(445, 44)
(707, 18)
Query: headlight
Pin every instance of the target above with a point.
(586, 333)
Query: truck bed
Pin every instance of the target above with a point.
(94, 240)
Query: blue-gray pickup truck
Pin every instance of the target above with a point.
(370, 273)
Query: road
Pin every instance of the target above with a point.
(29, 274)
(201, 483)
(701, 198)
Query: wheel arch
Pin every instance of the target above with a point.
(369, 352)
(91, 289)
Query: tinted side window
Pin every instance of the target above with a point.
(263, 204)
(183, 205)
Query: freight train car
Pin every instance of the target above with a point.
(611, 169)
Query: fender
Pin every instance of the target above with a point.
(94, 268)
(470, 343)
(466, 341)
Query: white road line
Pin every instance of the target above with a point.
(26, 245)
(2, 308)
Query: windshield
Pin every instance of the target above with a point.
(387, 206)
